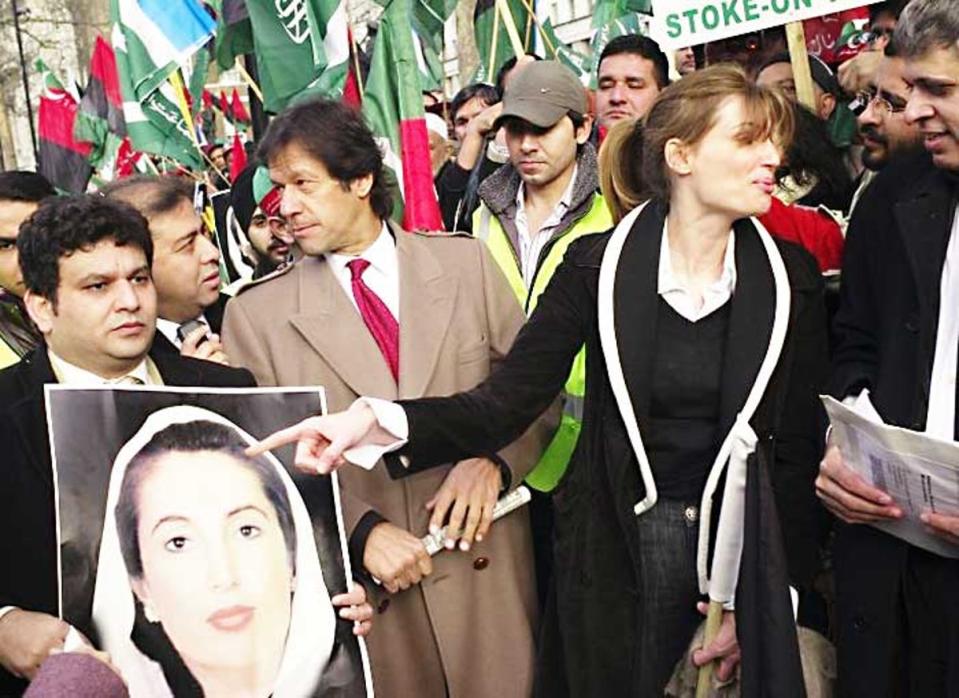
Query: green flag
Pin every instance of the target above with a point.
(302, 48)
(234, 35)
(554, 48)
(484, 21)
(607, 11)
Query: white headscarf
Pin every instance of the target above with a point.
(309, 640)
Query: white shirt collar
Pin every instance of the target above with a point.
(714, 295)
(561, 207)
(381, 255)
(74, 375)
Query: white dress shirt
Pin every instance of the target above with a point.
(382, 276)
(714, 295)
(941, 414)
(168, 329)
(531, 244)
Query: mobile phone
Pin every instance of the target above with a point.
(188, 328)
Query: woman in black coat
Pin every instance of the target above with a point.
(705, 344)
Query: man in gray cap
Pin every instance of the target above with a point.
(531, 209)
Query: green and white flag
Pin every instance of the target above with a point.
(151, 39)
(302, 48)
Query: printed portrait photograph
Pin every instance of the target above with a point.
(200, 570)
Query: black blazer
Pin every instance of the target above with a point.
(28, 572)
(589, 637)
(886, 336)
(214, 317)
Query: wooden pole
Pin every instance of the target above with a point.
(248, 79)
(802, 75)
(511, 30)
(491, 61)
(714, 620)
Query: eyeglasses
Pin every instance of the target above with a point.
(880, 104)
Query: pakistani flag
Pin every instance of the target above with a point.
(614, 18)
(302, 48)
(552, 47)
(393, 106)
(151, 39)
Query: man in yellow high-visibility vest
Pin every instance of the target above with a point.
(532, 209)
(20, 194)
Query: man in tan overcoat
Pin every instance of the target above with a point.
(423, 315)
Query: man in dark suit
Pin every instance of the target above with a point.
(898, 334)
(86, 269)
(186, 265)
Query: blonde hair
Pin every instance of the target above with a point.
(618, 170)
(686, 110)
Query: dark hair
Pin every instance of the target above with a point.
(480, 90)
(21, 185)
(927, 24)
(151, 195)
(640, 46)
(890, 7)
(191, 437)
(338, 137)
(892, 48)
(812, 159)
(507, 66)
(64, 225)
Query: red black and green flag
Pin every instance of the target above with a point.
(393, 105)
(62, 159)
(101, 109)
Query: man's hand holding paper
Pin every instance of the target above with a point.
(900, 481)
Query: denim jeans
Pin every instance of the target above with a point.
(669, 590)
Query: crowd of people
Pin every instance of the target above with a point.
(640, 295)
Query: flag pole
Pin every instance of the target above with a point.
(714, 620)
(549, 44)
(798, 56)
(176, 81)
(248, 79)
(491, 63)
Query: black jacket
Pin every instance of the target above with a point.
(588, 646)
(886, 337)
(28, 572)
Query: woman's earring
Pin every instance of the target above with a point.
(150, 614)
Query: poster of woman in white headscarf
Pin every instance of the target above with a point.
(201, 571)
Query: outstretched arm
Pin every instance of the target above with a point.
(480, 421)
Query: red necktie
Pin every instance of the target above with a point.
(378, 318)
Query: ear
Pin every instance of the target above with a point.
(582, 133)
(827, 105)
(362, 185)
(142, 591)
(40, 310)
(677, 155)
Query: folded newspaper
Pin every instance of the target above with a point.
(919, 472)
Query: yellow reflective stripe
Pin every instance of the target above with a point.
(555, 459)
